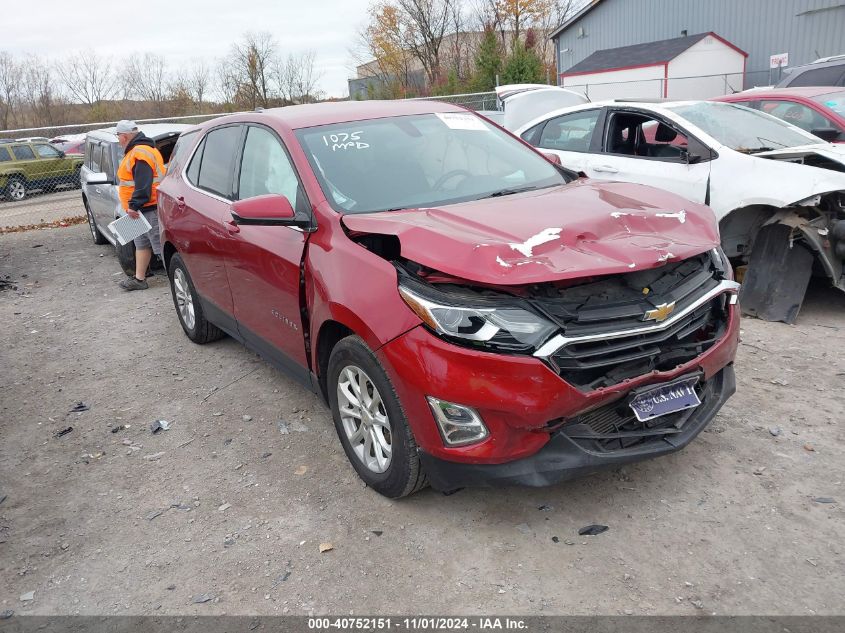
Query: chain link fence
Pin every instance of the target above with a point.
(471, 100)
(40, 169)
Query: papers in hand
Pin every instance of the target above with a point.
(126, 229)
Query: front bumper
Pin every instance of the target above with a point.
(566, 458)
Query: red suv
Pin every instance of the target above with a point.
(472, 313)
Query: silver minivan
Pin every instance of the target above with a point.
(99, 181)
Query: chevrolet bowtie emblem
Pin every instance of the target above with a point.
(660, 313)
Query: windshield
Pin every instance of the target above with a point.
(834, 100)
(743, 129)
(420, 161)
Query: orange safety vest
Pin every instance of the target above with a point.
(126, 184)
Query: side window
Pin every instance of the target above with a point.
(106, 161)
(797, 114)
(89, 147)
(193, 172)
(218, 157)
(829, 76)
(96, 157)
(4, 155)
(183, 145)
(45, 151)
(23, 152)
(266, 168)
(643, 136)
(532, 134)
(570, 132)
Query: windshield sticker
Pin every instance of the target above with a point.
(345, 140)
(461, 121)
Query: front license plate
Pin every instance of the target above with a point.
(665, 399)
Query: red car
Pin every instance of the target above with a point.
(472, 313)
(819, 110)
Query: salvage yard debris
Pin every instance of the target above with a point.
(63, 432)
(592, 530)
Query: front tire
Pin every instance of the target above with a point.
(187, 304)
(98, 238)
(370, 421)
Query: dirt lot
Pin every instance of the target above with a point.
(233, 502)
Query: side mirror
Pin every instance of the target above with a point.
(689, 159)
(269, 210)
(552, 158)
(828, 134)
(98, 178)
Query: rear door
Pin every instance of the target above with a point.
(52, 166)
(96, 193)
(264, 266)
(26, 162)
(642, 147)
(198, 213)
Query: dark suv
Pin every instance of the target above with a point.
(472, 313)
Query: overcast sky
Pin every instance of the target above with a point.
(181, 30)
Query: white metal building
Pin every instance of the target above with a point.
(690, 67)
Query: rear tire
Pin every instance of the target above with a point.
(374, 433)
(16, 188)
(187, 304)
(126, 257)
(98, 238)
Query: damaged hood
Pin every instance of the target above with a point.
(827, 150)
(582, 229)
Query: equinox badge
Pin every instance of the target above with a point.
(660, 313)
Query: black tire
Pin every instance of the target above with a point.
(404, 474)
(92, 225)
(16, 188)
(202, 331)
(126, 257)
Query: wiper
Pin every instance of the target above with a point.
(507, 192)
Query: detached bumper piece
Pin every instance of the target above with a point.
(607, 437)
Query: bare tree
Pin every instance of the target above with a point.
(426, 23)
(252, 62)
(381, 52)
(146, 79)
(10, 77)
(88, 78)
(199, 82)
(301, 77)
(38, 92)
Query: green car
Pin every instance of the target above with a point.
(35, 165)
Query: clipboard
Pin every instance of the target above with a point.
(126, 229)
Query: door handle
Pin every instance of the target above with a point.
(97, 190)
(232, 227)
(180, 203)
(606, 169)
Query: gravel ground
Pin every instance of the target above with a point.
(226, 511)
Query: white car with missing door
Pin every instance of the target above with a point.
(777, 191)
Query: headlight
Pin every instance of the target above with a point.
(504, 328)
(722, 263)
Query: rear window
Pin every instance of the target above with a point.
(23, 152)
(4, 154)
(829, 76)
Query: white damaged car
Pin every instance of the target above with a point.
(777, 191)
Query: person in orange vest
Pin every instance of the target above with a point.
(139, 175)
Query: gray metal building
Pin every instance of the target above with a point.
(805, 29)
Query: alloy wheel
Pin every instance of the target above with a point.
(184, 298)
(364, 419)
(17, 190)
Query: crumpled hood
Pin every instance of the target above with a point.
(582, 229)
(828, 150)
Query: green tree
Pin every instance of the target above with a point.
(488, 62)
(523, 66)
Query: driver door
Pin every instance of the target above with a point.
(641, 147)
